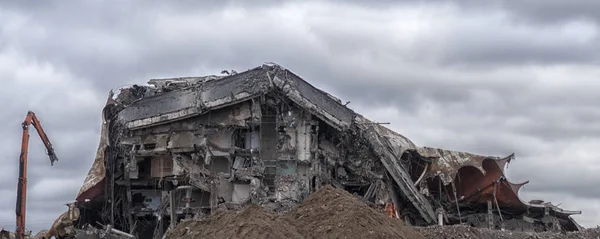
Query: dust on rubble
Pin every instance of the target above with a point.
(334, 213)
(252, 222)
(327, 213)
(467, 232)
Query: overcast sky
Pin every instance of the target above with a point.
(488, 78)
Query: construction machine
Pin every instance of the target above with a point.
(30, 119)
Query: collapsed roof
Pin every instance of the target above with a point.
(418, 172)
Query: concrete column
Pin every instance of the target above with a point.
(172, 211)
(188, 201)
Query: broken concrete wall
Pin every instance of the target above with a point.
(305, 144)
(225, 190)
(222, 145)
(241, 192)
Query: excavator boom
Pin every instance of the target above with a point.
(30, 119)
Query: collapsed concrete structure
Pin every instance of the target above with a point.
(185, 147)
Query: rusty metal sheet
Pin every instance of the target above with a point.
(446, 163)
(475, 186)
(479, 179)
(476, 177)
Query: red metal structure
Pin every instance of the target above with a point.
(30, 119)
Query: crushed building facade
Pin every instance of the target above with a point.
(185, 147)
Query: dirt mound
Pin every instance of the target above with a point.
(327, 213)
(251, 222)
(467, 232)
(334, 213)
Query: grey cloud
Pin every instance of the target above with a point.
(566, 178)
(537, 12)
(479, 46)
(131, 52)
(112, 55)
(554, 11)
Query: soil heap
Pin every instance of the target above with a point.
(252, 222)
(335, 213)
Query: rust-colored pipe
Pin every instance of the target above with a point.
(30, 119)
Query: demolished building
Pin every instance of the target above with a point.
(185, 147)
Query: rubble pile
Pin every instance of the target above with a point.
(266, 136)
(335, 213)
(468, 232)
(251, 222)
(328, 213)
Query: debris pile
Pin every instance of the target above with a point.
(266, 136)
(251, 222)
(467, 232)
(327, 213)
(335, 213)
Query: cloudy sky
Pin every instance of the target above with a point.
(488, 78)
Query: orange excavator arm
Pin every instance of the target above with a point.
(30, 119)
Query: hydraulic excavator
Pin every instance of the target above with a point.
(30, 119)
